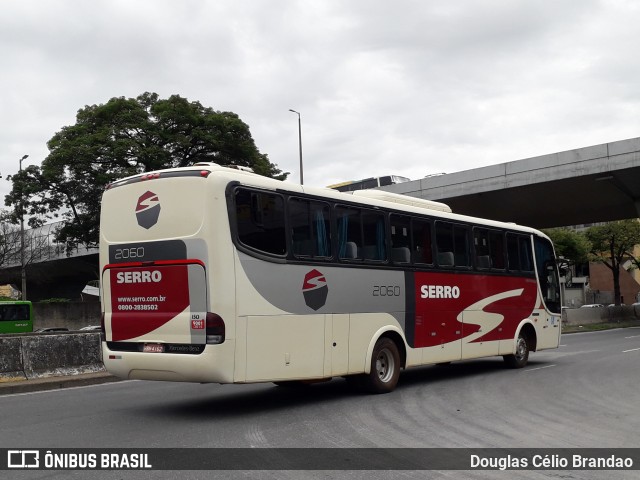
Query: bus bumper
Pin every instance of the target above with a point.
(213, 365)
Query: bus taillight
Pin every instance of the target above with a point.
(215, 329)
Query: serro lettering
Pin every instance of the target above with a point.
(139, 277)
(439, 291)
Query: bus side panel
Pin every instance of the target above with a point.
(466, 316)
(284, 347)
(337, 348)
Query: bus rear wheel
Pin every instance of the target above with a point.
(521, 357)
(385, 367)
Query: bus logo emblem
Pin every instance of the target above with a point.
(148, 210)
(315, 289)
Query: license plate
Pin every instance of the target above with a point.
(153, 348)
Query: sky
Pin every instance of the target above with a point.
(402, 87)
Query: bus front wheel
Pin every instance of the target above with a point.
(521, 357)
(385, 367)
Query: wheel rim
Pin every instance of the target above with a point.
(521, 348)
(385, 365)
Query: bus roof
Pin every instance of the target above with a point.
(380, 199)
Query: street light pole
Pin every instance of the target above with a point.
(299, 143)
(23, 267)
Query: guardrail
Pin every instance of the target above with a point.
(31, 356)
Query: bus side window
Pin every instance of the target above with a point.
(481, 246)
(519, 254)
(321, 221)
(513, 255)
(400, 240)
(489, 249)
(496, 244)
(349, 232)
(301, 236)
(452, 239)
(260, 220)
(421, 233)
(310, 228)
(374, 236)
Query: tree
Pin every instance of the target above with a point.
(612, 244)
(569, 244)
(9, 238)
(37, 242)
(123, 137)
(572, 247)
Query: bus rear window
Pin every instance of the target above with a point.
(260, 220)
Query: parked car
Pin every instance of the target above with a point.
(91, 328)
(51, 329)
(592, 305)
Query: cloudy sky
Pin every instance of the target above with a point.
(384, 87)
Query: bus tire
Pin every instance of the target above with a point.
(521, 357)
(385, 367)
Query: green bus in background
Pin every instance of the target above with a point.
(16, 316)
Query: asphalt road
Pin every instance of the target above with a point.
(584, 394)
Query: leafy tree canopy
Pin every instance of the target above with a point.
(123, 137)
(569, 244)
(612, 244)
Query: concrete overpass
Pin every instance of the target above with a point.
(587, 185)
(52, 271)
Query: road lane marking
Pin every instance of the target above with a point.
(632, 350)
(63, 389)
(539, 368)
(633, 336)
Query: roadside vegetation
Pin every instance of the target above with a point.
(595, 327)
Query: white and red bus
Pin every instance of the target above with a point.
(211, 274)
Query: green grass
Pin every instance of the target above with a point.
(595, 327)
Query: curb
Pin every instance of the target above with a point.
(56, 383)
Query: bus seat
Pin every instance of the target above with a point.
(483, 261)
(351, 251)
